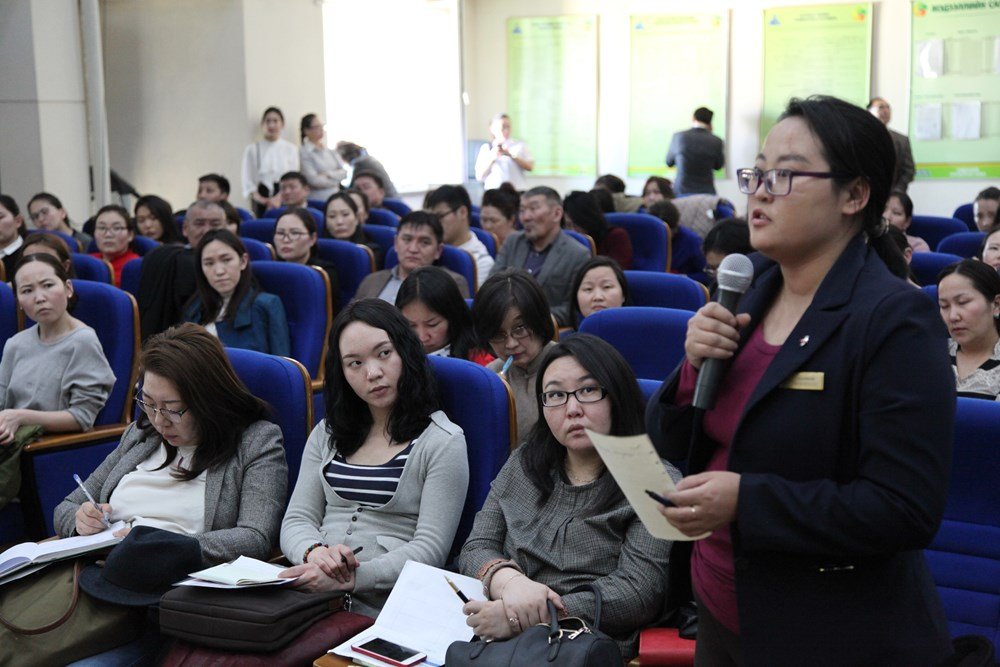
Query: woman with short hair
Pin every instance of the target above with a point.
(969, 299)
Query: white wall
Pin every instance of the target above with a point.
(486, 80)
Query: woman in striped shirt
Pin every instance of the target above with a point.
(386, 471)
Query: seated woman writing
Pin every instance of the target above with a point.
(54, 374)
(228, 302)
(555, 519)
(385, 470)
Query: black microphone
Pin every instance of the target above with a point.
(735, 275)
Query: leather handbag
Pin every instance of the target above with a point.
(567, 642)
(259, 619)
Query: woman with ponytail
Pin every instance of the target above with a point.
(821, 471)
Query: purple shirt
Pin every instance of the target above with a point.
(712, 569)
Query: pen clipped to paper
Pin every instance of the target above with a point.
(105, 519)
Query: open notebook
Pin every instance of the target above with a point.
(31, 554)
(244, 572)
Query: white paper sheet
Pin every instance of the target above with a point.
(965, 119)
(927, 124)
(930, 58)
(636, 466)
(422, 613)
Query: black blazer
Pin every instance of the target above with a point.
(842, 488)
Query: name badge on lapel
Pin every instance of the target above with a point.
(804, 381)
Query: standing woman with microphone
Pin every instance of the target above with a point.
(822, 467)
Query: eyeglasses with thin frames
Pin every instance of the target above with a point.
(556, 398)
(517, 333)
(115, 229)
(777, 182)
(292, 235)
(174, 416)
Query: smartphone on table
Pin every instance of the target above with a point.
(390, 652)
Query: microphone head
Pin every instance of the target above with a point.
(735, 273)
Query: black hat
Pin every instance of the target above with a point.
(143, 567)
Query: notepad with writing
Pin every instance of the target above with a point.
(30, 554)
(240, 573)
(636, 466)
(422, 613)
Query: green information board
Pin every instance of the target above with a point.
(815, 50)
(955, 89)
(552, 91)
(679, 63)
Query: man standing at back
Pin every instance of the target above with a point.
(696, 153)
(903, 175)
(553, 258)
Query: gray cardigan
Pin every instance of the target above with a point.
(565, 258)
(418, 523)
(244, 497)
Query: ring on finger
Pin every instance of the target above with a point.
(693, 509)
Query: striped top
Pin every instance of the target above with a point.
(371, 486)
(984, 382)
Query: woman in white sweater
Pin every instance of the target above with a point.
(386, 471)
(265, 161)
(321, 166)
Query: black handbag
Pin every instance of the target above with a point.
(568, 642)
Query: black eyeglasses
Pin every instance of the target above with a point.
(517, 333)
(174, 416)
(777, 182)
(553, 399)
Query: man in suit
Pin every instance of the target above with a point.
(419, 242)
(696, 153)
(553, 258)
(903, 174)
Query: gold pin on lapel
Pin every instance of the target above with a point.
(803, 341)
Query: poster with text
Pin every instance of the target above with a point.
(678, 63)
(815, 50)
(552, 91)
(955, 89)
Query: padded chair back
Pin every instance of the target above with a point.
(244, 215)
(275, 213)
(353, 262)
(258, 251)
(384, 217)
(488, 239)
(131, 273)
(964, 557)
(927, 265)
(583, 239)
(71, 243)
(963, 244)
(481, 403)
(383, 235)
(318, 204)
(649, 239)
(260, 230)
(930, 291)
(967, 214)
(474, 219)
(284, 385)
(92, 268)
(305, 293)
(932, 228)
(397, 206)
(8, 313)
(458, 260)
(665, 290)
(112, 313)
(630, 329)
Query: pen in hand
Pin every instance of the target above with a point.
(457, 590)
(660, 499)
(105, 519)
(353, 551)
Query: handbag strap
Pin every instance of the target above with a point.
(16, 629)
(597, 601)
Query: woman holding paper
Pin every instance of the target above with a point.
(822, 468)
(555, 519)
(385, 471)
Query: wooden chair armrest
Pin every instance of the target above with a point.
(64, 440)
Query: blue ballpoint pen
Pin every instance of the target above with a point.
(106, 519)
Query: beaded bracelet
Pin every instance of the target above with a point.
(305, 556)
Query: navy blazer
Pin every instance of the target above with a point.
(841, 488)
(259, 324)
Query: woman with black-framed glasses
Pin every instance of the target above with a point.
(822, 467)
(555, 518)
(512, 316)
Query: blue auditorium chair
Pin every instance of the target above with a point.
(931, 291)
(8, 312)
(488, 239)
(381, 216)
(963, 244)
(932, 228)
(649, 237)
(92, 268)
(285, 386)
(258, 251)
(260, 230)
(481, 403)
(244, 214)
(967, 214)
(583, 239)
(397, 206)
(318, 204)
(650, 339)
(71, 243)
(458, 260)
(474, 219)
(131, 273)
(353, 262)
(927, 265)
(383, 235)
(665, 290)
(964, 557)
